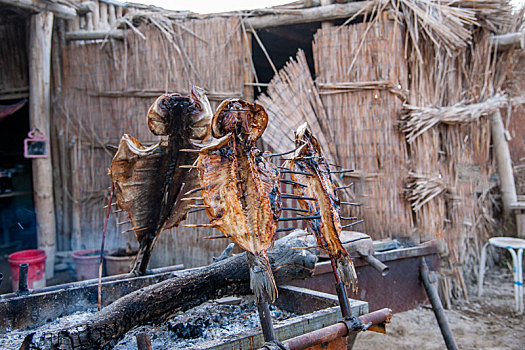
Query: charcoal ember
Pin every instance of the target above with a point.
(188, 330)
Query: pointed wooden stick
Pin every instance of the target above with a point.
(286, 229)
(191, 199)
(195, 210)
(293, 196)
(343, 187)
(216, 237)
(102, 246)
(348, 218)
(314, 247)
(351, 203)
(105, 207)
(199, 225)
(353, 223)
(189, 150)
(355, 240)
(287, 171)
(291, 182)
(188, 167)
(124, 222)
(282, 154)
(295, 209)
(300, 218)
(194, 190)
(198, 206)
(342, 171)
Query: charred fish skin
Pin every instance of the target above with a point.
(308, 158)
(241, 187)
(149, 182)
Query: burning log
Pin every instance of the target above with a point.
(189, 289)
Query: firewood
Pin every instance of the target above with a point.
(189, 289)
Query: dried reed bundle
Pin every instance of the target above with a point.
(421, 189)
(416, 120)
(442, 22)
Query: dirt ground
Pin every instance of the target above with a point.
(488, 322)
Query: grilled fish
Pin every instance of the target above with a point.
(149, 183)
(241, 187)
(309, 159)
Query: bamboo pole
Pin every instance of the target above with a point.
(504, 162)
(41, 29)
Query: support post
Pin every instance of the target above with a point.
(41, 29)
(504, 163)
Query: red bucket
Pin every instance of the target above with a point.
(36, 259)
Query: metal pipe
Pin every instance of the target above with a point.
(23, 270)
(94, 281)
(337, 330)
(266, 321)
(433, 296)
(376, 264)
(346, 311)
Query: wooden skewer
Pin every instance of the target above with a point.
(286, 229)
(353, 223)
(199, 225)
(350, 203)
(188, 167)
(191, 199)
(194, 190)
(216, 237)
(124, 222)
(286, 171)
(291, 182)
(198, 206)
(189, 150)
(293, 196)
(300, 218)
(295, 209)
(343, 187)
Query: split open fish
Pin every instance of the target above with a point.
(149, 182)
(240, 187)
(309, 167)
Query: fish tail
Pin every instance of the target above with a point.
(262, 281)
(346, 271)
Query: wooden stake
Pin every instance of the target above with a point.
(506, 176)
(41, 28)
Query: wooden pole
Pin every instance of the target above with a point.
(308, 15)
(504, 163)
(41, 29)
(61, 11)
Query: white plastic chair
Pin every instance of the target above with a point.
(515, 246)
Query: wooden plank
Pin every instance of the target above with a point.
(41, 28)
(60, 11)
(313, 14)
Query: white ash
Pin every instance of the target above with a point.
(204, 323)
(12, 339)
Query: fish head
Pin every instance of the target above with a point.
(174, 113)
(244, 119)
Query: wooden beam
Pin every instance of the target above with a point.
(308, 15)
(41, 28)
(504, 163)
(509, 41)
(60, 11)
(95, 34)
